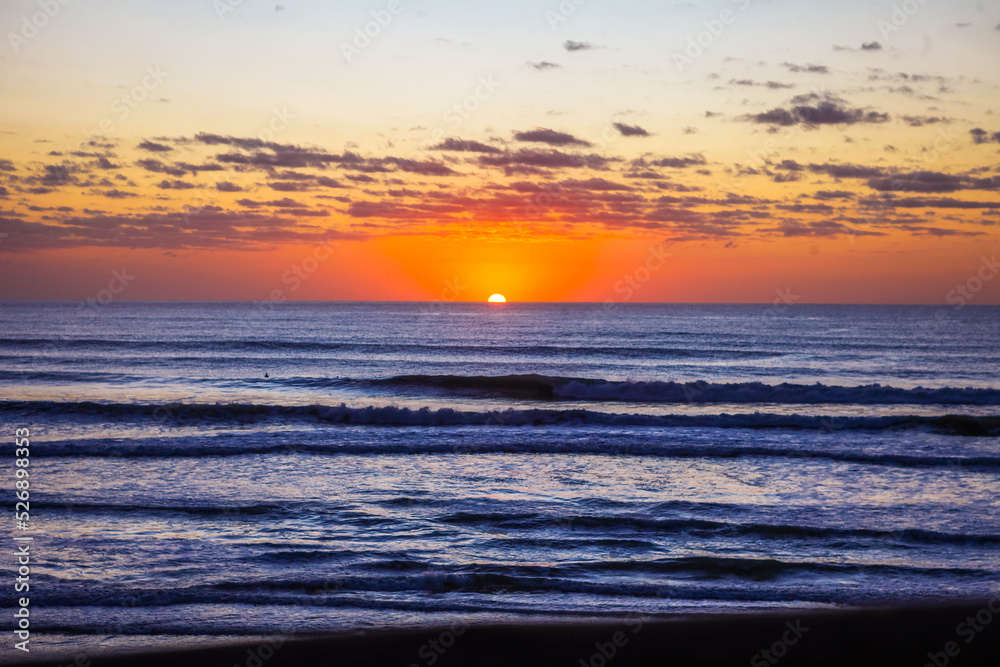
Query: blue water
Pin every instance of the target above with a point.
(406, 463)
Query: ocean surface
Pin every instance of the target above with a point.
(211, 470)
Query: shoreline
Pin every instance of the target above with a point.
(961, 633)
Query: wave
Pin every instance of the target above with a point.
(690, 577)
(568, 531)
(567, 388)
(394, 416)
(241, 347)
(221, 445)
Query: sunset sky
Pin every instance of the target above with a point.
(583, 150)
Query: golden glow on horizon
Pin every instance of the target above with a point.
(497, 298)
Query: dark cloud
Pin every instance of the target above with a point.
(981, 136)
(467, 145)
(207, 227)
(361, 178)
(7, 165)
(923, 230)
(56, 174)
(806, 208)
(918, 121)
(543, 65)
(570, 45)
(551, 137)
(226, 186)
(154, 147)
(158, 167)
(166, 184)
(865, 46)
(105, 163)
(630, 130)
(549, 159)
(117, 194)
(928, 202)
(195, 168)
(267, 154)
(693, 160)
(826, 195)
(925, 181)
(837, 170)
(767, 84)
(286, 186)
(820, 228)
(816, 109)
(369, 209)
(789, 165)
(423, 167)
(327, 182)
(810, 69)
(278, 203)
(598, 184)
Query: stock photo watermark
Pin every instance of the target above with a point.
(364, 35)
(35, 23)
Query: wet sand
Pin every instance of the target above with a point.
(959, 634)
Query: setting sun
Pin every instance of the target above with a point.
(497, 298)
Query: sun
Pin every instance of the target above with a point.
(497, 298)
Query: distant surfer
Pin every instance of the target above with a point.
(266, 375)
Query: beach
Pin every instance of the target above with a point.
(911, 635)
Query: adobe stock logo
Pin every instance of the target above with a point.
(372, 29)
(31, 25)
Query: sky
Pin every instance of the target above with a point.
(578, 150)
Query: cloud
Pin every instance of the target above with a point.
(693, 160)
(847, 170)
(285, 186)
(278, 203)
(919, 121)
(775, 85)
(423, 167)
(226, 186)
(551, 137)
(544, 65)
(865, 46)
(467, 145)
(981, 136)
(826, 195)
(154, 147)
(207, 227)
(820, 228)
(570, 45)
(817, 109)
(789, 165)
(928, 202)
(809, 69)
(598, 184)
(117, 194)
(925, 181)
(158, 167)
(166, 184)
(630, 130)
(368, 209)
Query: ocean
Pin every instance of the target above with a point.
(203, 471)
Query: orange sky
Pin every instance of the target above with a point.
(826, 155)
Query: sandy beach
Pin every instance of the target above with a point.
(961, 634)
